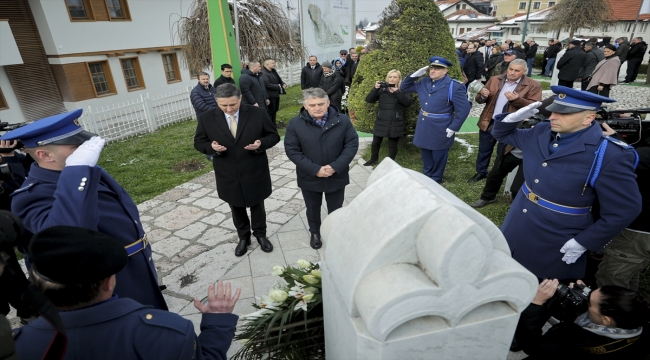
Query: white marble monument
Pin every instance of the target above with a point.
(412, 272)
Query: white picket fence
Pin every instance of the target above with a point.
(148, 113)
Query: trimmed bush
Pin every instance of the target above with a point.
(410, 32)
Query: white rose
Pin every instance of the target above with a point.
(304, 264)
(278, 295)
(277, 270)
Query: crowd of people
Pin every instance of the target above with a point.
(91, 257)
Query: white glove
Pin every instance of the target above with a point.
(87, 154)
(450, 132)
(420, 72)
(572, 251)
(523, 113)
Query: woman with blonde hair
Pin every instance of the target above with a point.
(604, 75)
(390, 114)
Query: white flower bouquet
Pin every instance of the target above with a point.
(288, 323)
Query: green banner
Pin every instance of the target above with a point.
(222, 38)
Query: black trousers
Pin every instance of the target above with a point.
(376, 144)
(314, 200)
(244, 225)
(566, 83)
(503, 165)
(273, 108)
(603, 92)
(633, 66)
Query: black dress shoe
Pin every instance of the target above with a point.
(315, 241)
(477, 177)
(242, 247)
(480, 203)
(265, 244)
(370, 162)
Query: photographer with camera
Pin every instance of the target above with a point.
(390, 114)
(610, 328)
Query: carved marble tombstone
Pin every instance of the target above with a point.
(412, 272)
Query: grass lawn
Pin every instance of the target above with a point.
(460, 167)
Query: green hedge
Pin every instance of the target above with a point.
(411, 32)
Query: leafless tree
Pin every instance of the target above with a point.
(571, 15)
(265, 31)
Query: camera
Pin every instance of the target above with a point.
(5, 173)
(385, 85)
(531, 121)
(4, 127)
(569, 302)
(628, 123)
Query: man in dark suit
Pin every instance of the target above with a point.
(237, 136)
(226, 76)
(252, 86)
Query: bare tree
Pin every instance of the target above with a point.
(571, 15)
(265, 31)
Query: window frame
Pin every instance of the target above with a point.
(3, 101)
(644, 27)
(87, 7)
(537, 5)
(452, 30)
(110, 82)
(176, 69)
(125, 10)
(524, 7)
(137, 70)
(461, 31)
(550, 4)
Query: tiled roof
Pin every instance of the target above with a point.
(446, 4)
(625, 9)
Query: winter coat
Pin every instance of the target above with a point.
(588, 66)
(390, 113)
(551, 51)
(310, 147)
(492, 62)
(570, 63)
(500, 68)
(253, 90)
(473, 66)
(223, 80)
(332, 86)
(528, 89)
(243, 176)
(521, 53)
(605, 72)
(352, 69)
(310, 78)
(272, 82)
(623, 49)
(203, 99)
(531, 51)
(637, 51)
(567, 340)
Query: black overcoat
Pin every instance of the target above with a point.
(570, 63)
(243, 176)
(390, 114)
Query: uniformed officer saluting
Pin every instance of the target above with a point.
(75, 269)
(569, 164)
(444, 109)
(64, 187)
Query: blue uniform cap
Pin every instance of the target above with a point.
(439, 61)
(568, 101)
(60, 129)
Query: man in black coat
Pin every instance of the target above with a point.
(237, 136)
(473, 64)
(311, 74)
(202, 96)
(634, 58)
(591, 60)
(550, 55)
(352, 68)
(226, 76)
(274, 87)
(570, 63)
(252, 86)
(531, 51)
(322, 142)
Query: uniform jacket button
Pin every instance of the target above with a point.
(536, 181)
(149, 316)
(84, 179)
(525, 211)
(544, 164)
(80, 188)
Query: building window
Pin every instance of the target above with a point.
(515, 31)
(3, 101)
(522, 6)
(170, 63)
(461, 31)
(457, 6)
(118, 9)
(644, 27)
(494, 8)
(132, 74)
(464, 6)
(452, 31)
(79, 9)
(469, 29)
(100, 73)
(537, 5)
(628, 27)
(551, 3)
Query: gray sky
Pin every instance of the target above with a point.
(370, 9)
